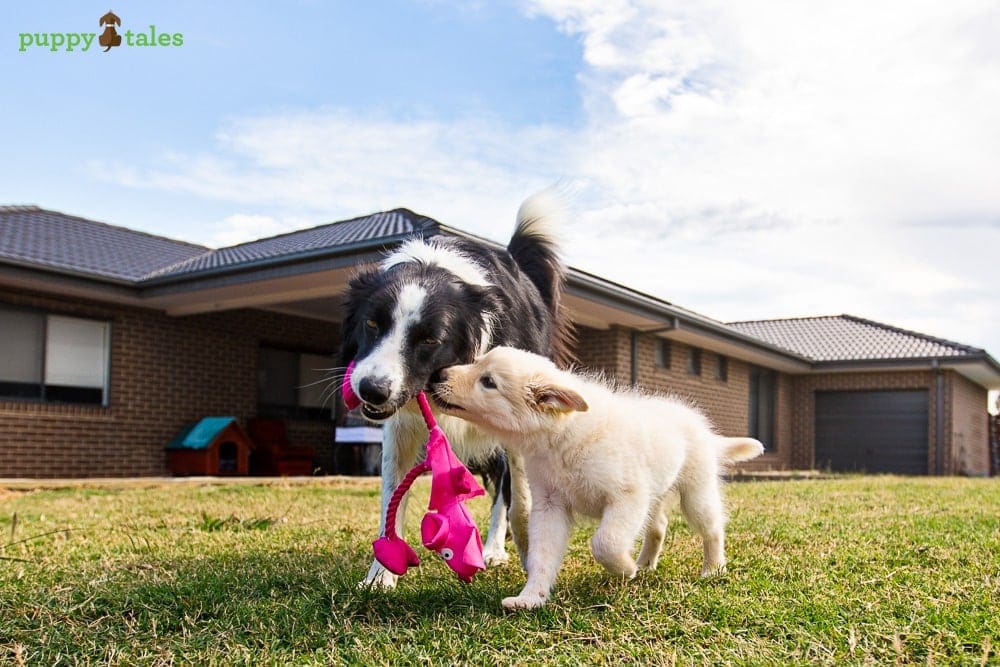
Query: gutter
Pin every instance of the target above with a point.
(934, 362)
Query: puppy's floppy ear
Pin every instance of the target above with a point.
(550, 397)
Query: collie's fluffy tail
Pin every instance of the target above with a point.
(535, 248)
(741, 449)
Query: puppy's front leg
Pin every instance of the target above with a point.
(548, 532)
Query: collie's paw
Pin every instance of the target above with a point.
(523, 602)
(379, 578)
(495, 557)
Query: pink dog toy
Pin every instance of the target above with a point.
(447, 528)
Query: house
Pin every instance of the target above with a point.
(111, 340)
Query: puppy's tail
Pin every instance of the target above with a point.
(535, 248)
(741, 449)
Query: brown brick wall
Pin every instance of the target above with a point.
(604, 351)
(165, 372)
(969, 434)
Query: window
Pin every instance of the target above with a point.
(762, 399)
(694, 361)
(294, 384)
(53, 358)
(661, 353)
(721, 368)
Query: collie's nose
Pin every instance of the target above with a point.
(374, 391)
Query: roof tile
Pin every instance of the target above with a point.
(850, 338)
(32, 235)
(49, 239)
(377, 225)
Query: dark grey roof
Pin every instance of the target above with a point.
(850, 338)
(36, 237)
(33, 236)
(382, 225)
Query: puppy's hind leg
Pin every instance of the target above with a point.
(701, 503)
(656, 529)
(613, 541)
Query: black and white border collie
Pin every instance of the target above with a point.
(443, 301)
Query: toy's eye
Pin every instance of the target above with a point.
(487, 381)
(447, 554)
(371, 324)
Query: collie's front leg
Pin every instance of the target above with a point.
(520, 505)
(400, 450)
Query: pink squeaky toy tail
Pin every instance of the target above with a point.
(447, 528)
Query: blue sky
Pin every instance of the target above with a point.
(400, 61)
(746, 160)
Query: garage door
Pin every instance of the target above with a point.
(872, 431)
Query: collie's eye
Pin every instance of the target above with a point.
(371, 324)
(487, 381)
(430, 340)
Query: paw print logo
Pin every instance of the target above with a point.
(110, 36)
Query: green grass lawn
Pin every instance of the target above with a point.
(856, 570)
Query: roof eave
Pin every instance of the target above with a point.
(678, 319)
(248, 268)
(66, 282)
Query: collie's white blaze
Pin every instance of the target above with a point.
(386, 360)
(486, 333)
(431, 254)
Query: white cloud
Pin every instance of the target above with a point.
(749, 159)
(334, 164)
(781, 159)
(243, 227)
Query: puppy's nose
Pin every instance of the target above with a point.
(374, 391)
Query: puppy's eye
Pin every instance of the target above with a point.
(371, 324)
(487, 381)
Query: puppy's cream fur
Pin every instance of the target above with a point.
(618, 456)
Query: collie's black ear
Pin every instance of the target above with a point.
(552, 398)
(359, 290)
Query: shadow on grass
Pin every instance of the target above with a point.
(259, 602)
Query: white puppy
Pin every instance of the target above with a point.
(615, 455)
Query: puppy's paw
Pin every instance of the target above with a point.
(715, 570)
(622, 566)
(523, 601)
(648, 563)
